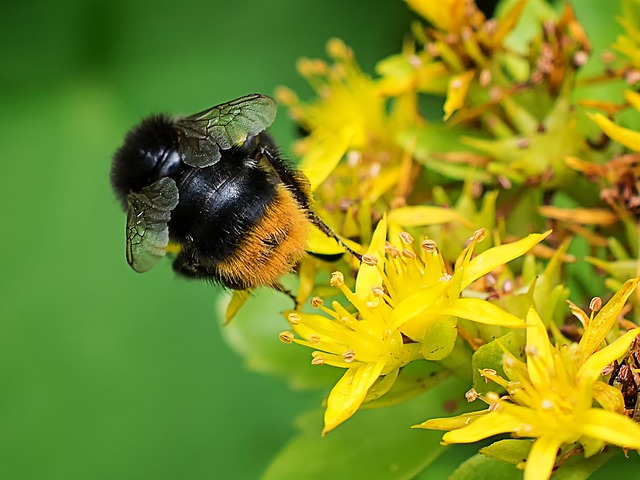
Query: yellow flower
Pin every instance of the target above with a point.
(348, 115)
(406, 308)
(628, 138)
(550, 397)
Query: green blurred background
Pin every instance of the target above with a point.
(106, 373)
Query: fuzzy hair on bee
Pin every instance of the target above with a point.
(213, 189)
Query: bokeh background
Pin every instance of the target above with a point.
(105, 373)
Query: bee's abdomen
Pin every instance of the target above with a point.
(271, 248)
(218, 206)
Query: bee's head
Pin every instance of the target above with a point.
(149, 153)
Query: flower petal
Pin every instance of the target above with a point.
(624, 136)
(451, 423)
(457, 92)
(347, 395)
(497, 256)
(369, 275)
(539, 356)
(486, 426)
(611, 427)
(482, 311)
(541, 459)
(591, 370)
(599, 327)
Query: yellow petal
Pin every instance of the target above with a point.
(457, 92)
(599, 327)
(347, 395)
(539, 356)
(592, 367)
(451, 423)
(588, 216)
(541, 459)
(633, 98)
(609, 397)
(369, 275)
(237, 301)
(497, 256)
(482, 311)
(320, 243)
(486, 426)
(325, 150)
(611, 427)
(624, 136)
(422, 215)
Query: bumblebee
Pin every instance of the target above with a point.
(213, 189)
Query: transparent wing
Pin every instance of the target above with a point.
(148, 217)
(204, 134)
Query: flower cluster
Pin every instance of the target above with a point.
(438, 170)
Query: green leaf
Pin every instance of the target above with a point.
(414, 379)
(480, 467)
(376, 444)
(490, 356)
(254, 334)
(510, 450)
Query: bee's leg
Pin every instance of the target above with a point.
(299, 186)
(281, 288)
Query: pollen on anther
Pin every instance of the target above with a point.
(316, 302)
(408, 254)
(317, 361)
(406, 238)
(429, 245)
(471, 395)
(286, 337)
(349, 356)
(489, 371)
(370, 260)
(314, 338)
(479, 234)
(377, 290)
(294, 318)
(595, 304)
(337, 279)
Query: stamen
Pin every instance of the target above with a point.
(595, 304)
(377, 290)
(472, 395)
(314, 338)
(429, 245)
(337, 279)
(294, 318)
(349, 356)
(317, 361)
(317, 302)
(406, 238)
(286, 337)
(408, 254)
(370, 260)
(479, 235)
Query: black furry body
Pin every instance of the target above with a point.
(218, 205)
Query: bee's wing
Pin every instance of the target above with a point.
(204, 134)
(148, 217)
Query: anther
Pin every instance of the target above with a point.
(286, 337)
(316, 302)
(337, 279)
(370, 260)
(406, 238)
(294, 318)
(349, 356)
